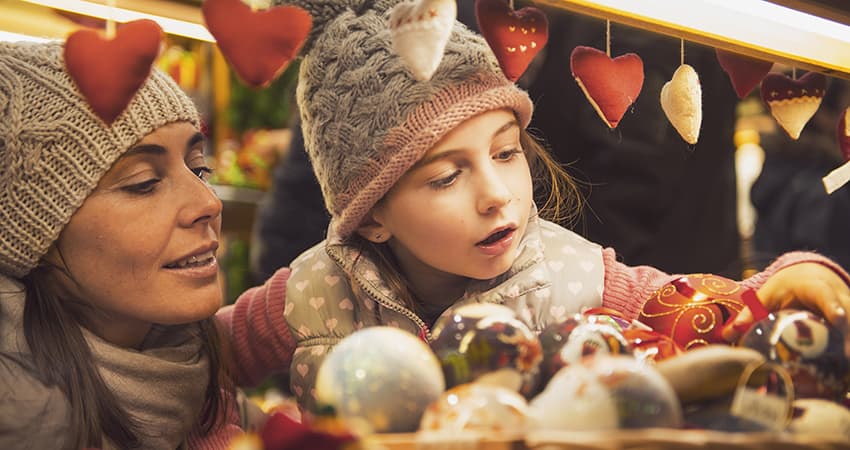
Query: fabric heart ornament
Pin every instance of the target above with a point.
(611, 85)
(109, 72)
(258, 45)
(514, 36)
(793, 102)
(681, 100)
(419, 31)
(744, 72)
(843, 133)
(840, 176)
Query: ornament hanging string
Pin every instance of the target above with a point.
(608, 38)
(681, 52)
(110, 19)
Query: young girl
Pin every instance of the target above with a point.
(430, 185)
(108, 279)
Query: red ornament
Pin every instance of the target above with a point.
(693, 309)
(744, 72)
(109, 72)
(514, 36)
(843, 134)
(611, 85)
(259, 45)
(650, 345)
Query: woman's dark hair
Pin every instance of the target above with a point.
(555, 193)
(62, 358)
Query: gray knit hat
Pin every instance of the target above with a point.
(54, 149)
(366, 119)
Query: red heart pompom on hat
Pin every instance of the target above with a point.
(514, 36)
(109, 72)
(259, 45)
(744, 72)
(611, 85)
(793, 102)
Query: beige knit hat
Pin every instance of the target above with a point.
(366, 119)
(54, 149)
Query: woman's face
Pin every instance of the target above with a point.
(464, 206)
(141, 248)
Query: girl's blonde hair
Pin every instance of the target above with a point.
(556, 194)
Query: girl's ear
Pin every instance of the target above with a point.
(372, 230)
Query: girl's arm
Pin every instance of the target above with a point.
(258, 340)
(627, 288)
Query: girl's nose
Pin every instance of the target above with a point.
(493, 192)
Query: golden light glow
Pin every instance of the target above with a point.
(121, 15)
(754, 28)
(6, 36)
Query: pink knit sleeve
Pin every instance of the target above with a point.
(791, 258)
(627, 288)
(260, 341)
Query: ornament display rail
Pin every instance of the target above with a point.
(754, 28)
(655, 439)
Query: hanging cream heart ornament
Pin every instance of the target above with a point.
(420, 31)
(793, 102)
(611, 85)
(681, 100)
(514, 36)
(109, 72)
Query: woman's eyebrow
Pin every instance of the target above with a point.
(425, 161)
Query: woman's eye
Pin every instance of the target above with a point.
(443, 183)
(202, 172)
(144, 187)
(507, 155)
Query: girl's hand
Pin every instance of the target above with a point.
(809, 286)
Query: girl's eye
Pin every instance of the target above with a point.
(443, 183)
(144, 187)
(202, 172)
(507, 155)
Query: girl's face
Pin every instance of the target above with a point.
(141, 248)
(464, 206)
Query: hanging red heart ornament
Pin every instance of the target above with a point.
(611, 85)
(109, 72)
(259, 45)
(843, 133)
(744, 72)
(841, 175)
(514, 36)
(793, 102)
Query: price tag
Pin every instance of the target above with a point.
(837, 178)
(764, 395)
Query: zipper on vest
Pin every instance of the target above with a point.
(424, 331)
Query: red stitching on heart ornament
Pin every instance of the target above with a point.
(793, 102)
(514, 36)
(259, 45)
(109, 72)
(611, 85)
